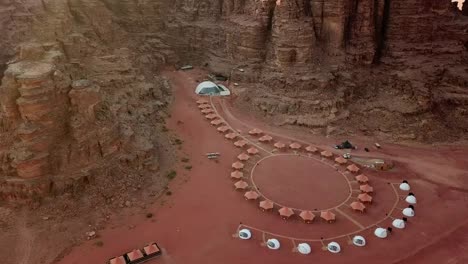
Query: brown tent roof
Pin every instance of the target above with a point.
(295, 145)
(251, 195)
(223, 128)
(327, 215)
(326, 153)
(243, 157)
(211, 116)
(307, 216)
(118, 260)
(240, 143)
(241, 185)
(134, 255)
(237, 174)
(204, 106)
(216, 122)
(311, 149)
(231, 136)
(202, 101)
(151, 249)
(238, 165)
(364, 197)
(353, 168)
(358, 206)
(279, 145)
(252, 151)
(266, 205)
(340, 160)
(286, 212)
(366, 188)
(265, 138)
(362, 178)
(207, 111)
(255, 131)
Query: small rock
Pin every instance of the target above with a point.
(45, 218)
(149, 215)
(128, 203)
(91, 234)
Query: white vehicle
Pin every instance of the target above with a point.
(211, 88)
(347, 155)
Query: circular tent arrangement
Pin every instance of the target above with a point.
(223, 129)
(328, 216)
(358, 206)
(251, 195)
(241, 185)
(365, 198)
(311, 149)
(238, 165)
(399, 223)
(381, 232)
(202, 101)
(353, 168)
(243, 157)
(217, 122)
(411, 199)
(366, 188)
(361, 178)
(240, 143)
(204, 106)
(295, 146)
(404, 186)
(265, 138)
(340, 160)
(307, 216)
(211, 116)
(207, 111)
(326, 154)
(255, 131)
(230, 136)
(286, 212)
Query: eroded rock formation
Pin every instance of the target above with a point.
(395, 69)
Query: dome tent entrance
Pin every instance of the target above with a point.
(211, 88)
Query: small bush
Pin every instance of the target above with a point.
(168, 193)
(177, 141)
(172, 174)
(99, 243)
(149, 215)
(185, 160)
(164, 129)
(188, 167)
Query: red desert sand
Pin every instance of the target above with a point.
(193, 228)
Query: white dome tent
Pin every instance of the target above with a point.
(399, 223)
(405, 186)
(411, 199)
(381, 232)
(304, 248)
(359, 241)
(273, 243)
(245, 234)
(409, 212)
(334, 247)
(211, 88)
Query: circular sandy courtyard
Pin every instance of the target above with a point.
(300, 182)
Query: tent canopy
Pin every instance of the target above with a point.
(211, 88)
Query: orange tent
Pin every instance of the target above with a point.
(295, 145)
(311, 149)
(241, 185)
(231, 136)
(286, 212)
(358, 206)
(135, 255)
(353, 168)
(251, 195)
(211, 116)
(255, 131)
(223, 129)
(265, 138)
(240, 143)
(118, 260)
(365, 198)
(361, 178)
(340, 160)
(328, 216)
(243, 157)
(307, 216)
(266, 205)
(207, 111)
(326, 154)
(238, 165)
(252, 151)
(279, 145)
(202, 101)
(237, 174)
(204, 106)
(366, 188)
(216, 122)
